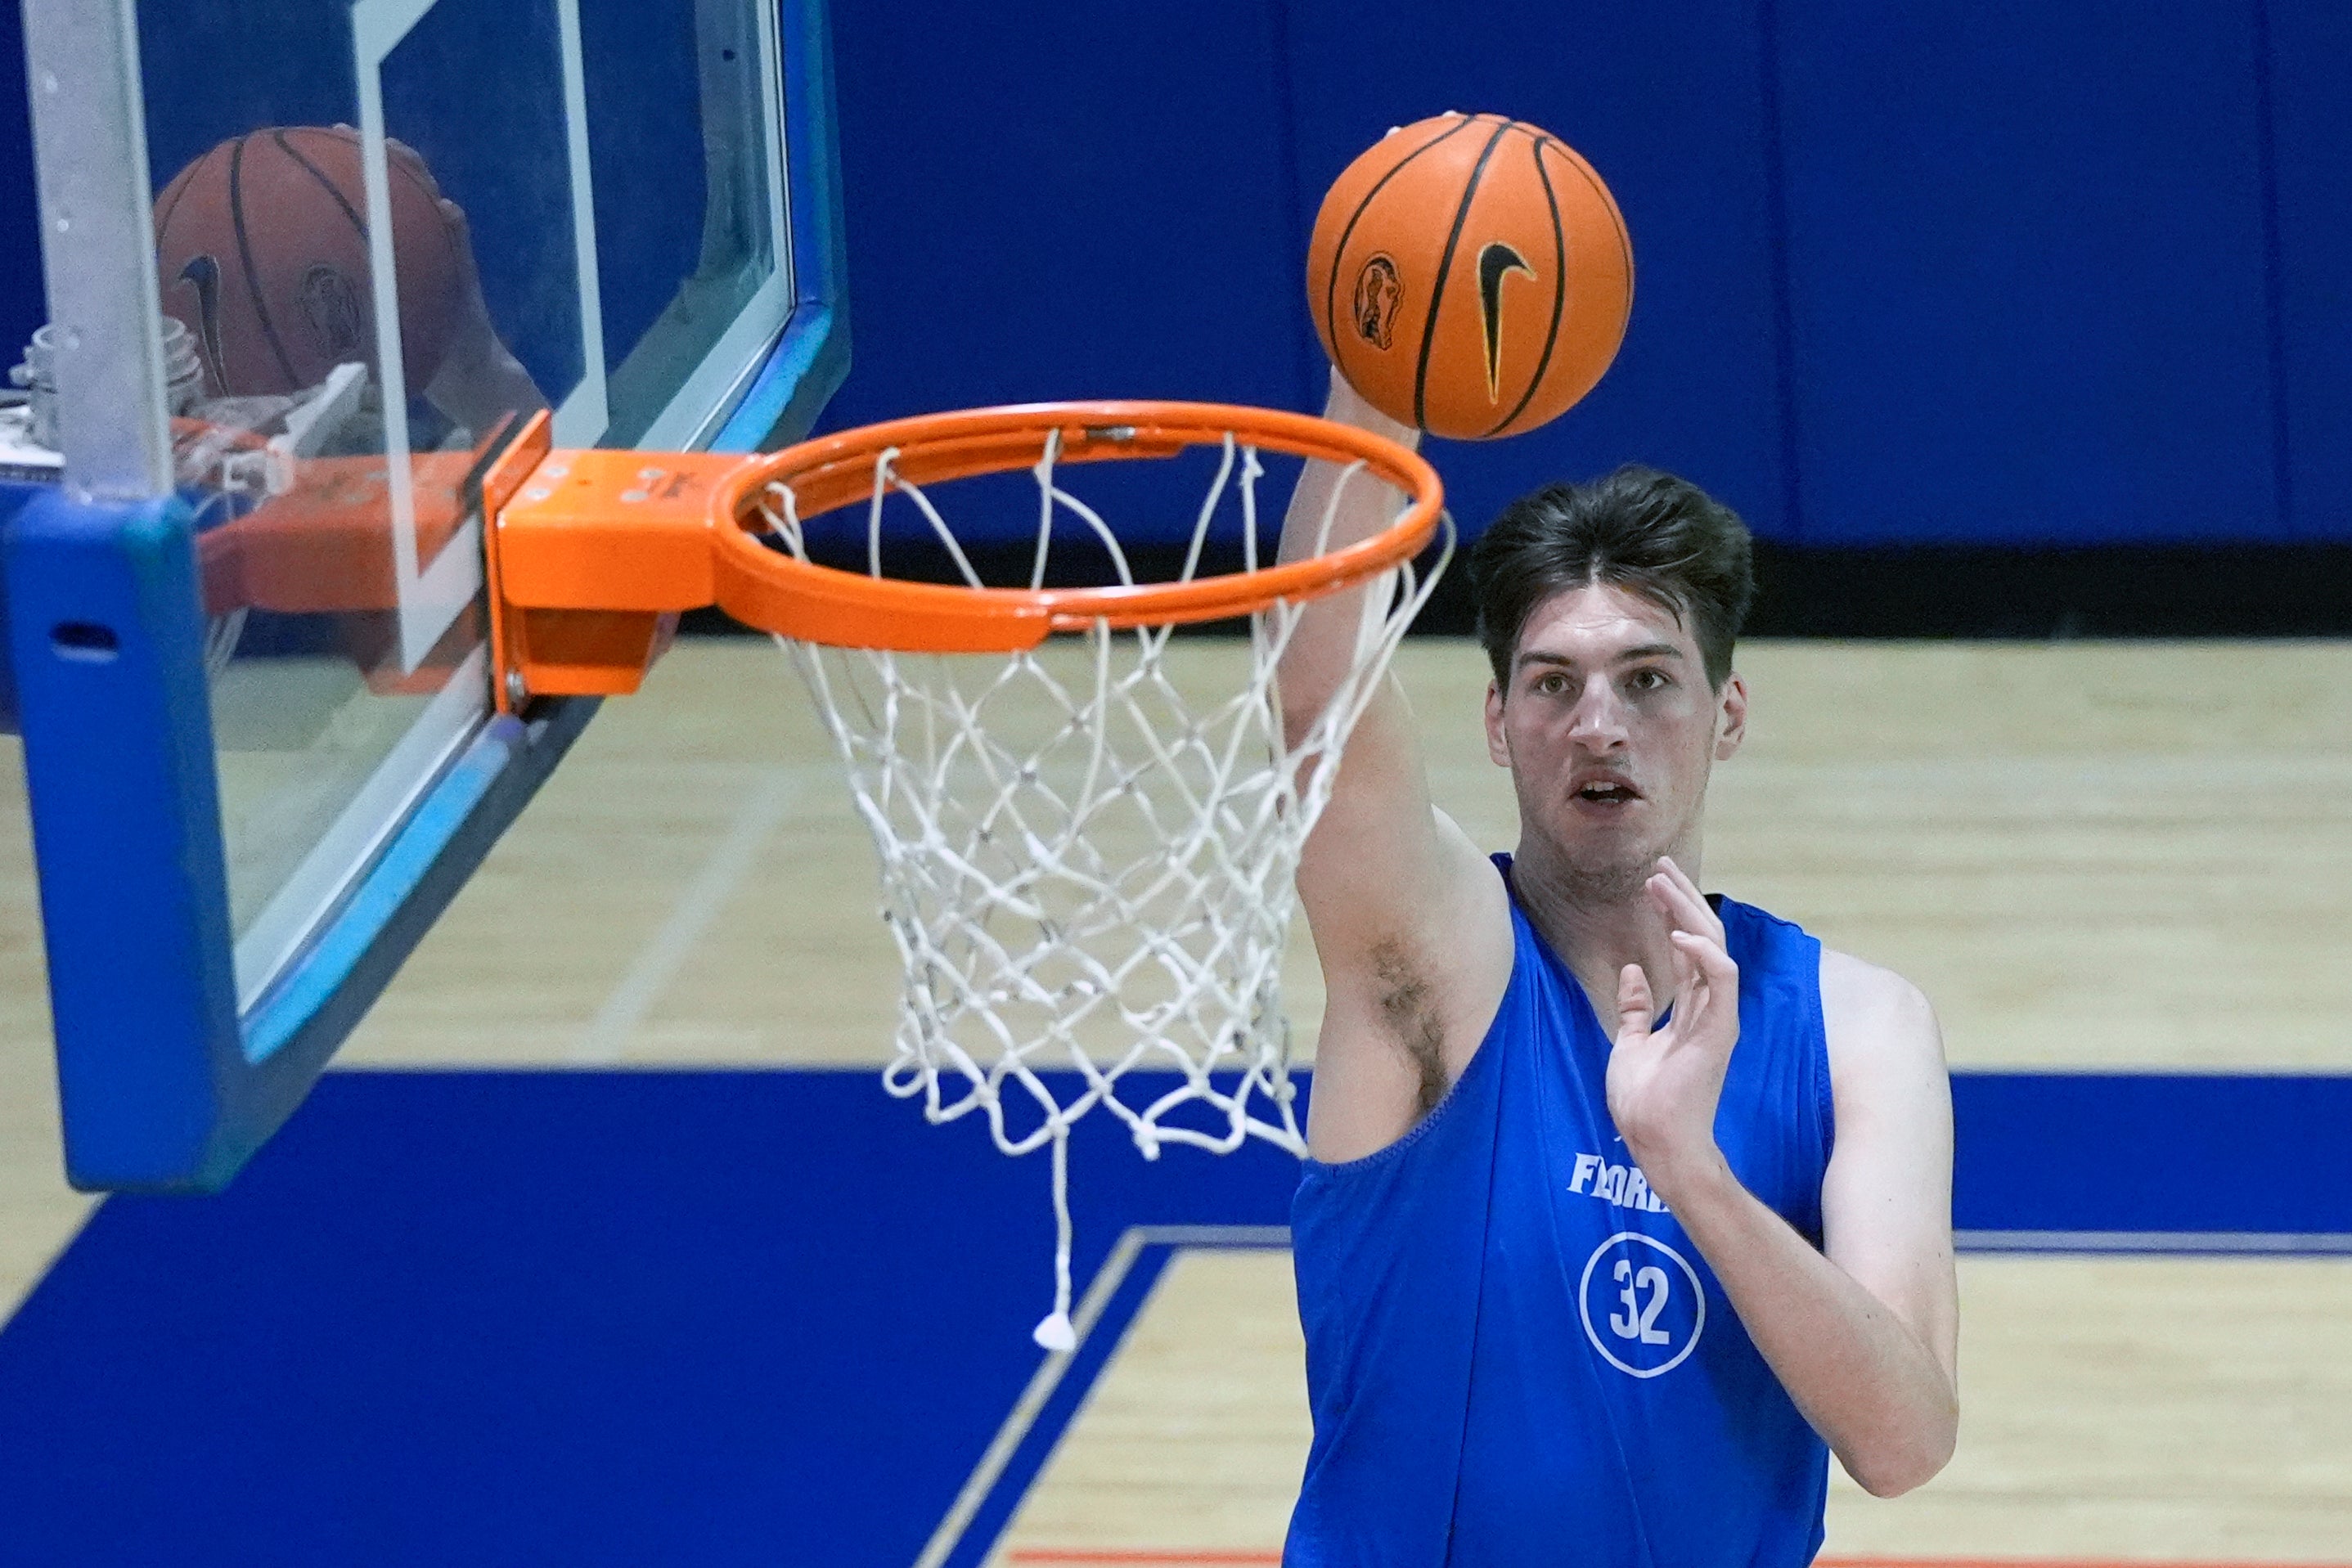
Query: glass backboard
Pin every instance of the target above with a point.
(384, 232)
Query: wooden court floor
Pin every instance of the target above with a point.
(2120, 856)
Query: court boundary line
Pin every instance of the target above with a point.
(1145, 1557)
(980, 1487)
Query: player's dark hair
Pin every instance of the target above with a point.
(1638, 529)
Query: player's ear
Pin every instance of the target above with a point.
(1730, 716)
(1497, 750)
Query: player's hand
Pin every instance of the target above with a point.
(1664, 1084)
(474, 327)
(1347, 405)
(481, 381)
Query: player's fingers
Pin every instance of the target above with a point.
(1680, 878)
(1712, 963)
(1687, 977)
(1693, 899)
(1682, 906)
(1663, 898)
(423, 169)
(1634, 1004)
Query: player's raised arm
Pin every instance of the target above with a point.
(1332, 508)
(1464, 329)
(1410, 922)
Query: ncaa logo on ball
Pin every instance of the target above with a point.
(1643, 1306)
(1378, 294)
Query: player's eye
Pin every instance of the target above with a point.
(1649, 680)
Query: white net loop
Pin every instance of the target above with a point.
(1087, 849)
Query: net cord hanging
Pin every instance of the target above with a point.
(1022, 933)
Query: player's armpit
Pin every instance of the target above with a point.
(1412, 927)
(1886, 1199)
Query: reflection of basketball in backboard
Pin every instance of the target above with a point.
(1470, 275)
(261, 250)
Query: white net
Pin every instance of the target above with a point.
(1087, 849)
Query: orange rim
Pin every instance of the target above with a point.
(763, 587)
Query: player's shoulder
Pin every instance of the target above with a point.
(1862, 983)
(1872, 1014)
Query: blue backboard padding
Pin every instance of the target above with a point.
(157, 1089)
(161, 1084)
(747, 1317)
(2311, 88)
(2132, 1153)
(15, 496)
(126, 828)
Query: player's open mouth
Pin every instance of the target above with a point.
(1606, 792)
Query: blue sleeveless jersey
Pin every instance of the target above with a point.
(1514, 1354)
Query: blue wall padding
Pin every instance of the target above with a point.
(2026, 262)
(1048, 203)
(2123, 1152)
(1949, 272)
(740, 1317)
(2311, 88)
(2018, 271)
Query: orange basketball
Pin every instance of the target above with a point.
(1470, 275)
(261, 250)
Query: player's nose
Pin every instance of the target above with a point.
(1599, 720)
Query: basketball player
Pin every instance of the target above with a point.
(1624, 1205)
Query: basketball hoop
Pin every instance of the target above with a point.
(1085, 855)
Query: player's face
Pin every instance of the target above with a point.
(1610, 730)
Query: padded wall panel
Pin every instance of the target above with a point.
(2311, 90)
(1045, 204)
(2027, 271)
(1666, 102)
